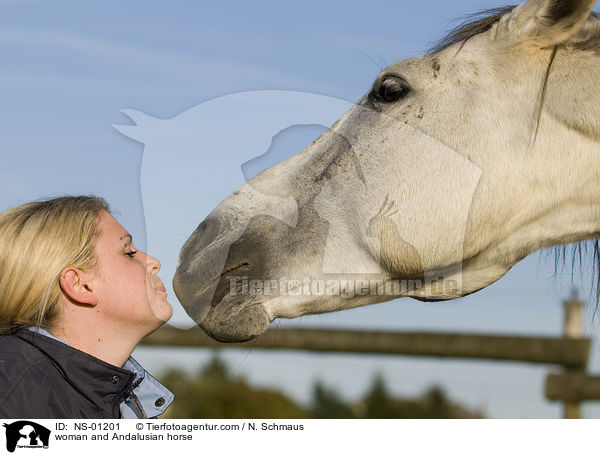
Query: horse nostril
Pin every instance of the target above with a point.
(204, 235)
(206, 232)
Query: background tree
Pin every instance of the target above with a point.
(215, 393)
(327, 404)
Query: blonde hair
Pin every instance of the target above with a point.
(38, 241)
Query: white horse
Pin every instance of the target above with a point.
(451, 169)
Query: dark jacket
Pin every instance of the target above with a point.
(46, 379)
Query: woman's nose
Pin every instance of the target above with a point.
(152, 264)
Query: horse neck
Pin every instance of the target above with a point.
(562, 199)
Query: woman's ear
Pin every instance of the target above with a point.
(545, 23)
(77, 285)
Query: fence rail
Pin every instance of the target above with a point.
(570, 353)
(571, 386)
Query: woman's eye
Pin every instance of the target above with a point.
(392, 89)
(131, 253)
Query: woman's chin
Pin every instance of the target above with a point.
(162, 310)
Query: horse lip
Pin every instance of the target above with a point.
(233, 322)
(217, 279)
(243, 264)
(199, 305)
(198, 293)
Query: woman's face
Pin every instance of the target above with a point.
(127, 286)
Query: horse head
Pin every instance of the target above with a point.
(452, 167)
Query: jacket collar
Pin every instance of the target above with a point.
(105, 385)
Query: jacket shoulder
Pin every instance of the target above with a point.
(27, 376)
(17, 358)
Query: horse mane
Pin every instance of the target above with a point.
(473, 24)
(480, 22)
(578, 251)
(587, 39)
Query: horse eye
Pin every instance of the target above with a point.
(392, 89)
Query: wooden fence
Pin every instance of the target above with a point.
(571, 351)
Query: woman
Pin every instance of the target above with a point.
(76, 297)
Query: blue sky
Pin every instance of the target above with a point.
(68, 68)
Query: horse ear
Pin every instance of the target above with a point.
(546, 23)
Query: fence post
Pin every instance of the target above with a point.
(573, 328)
